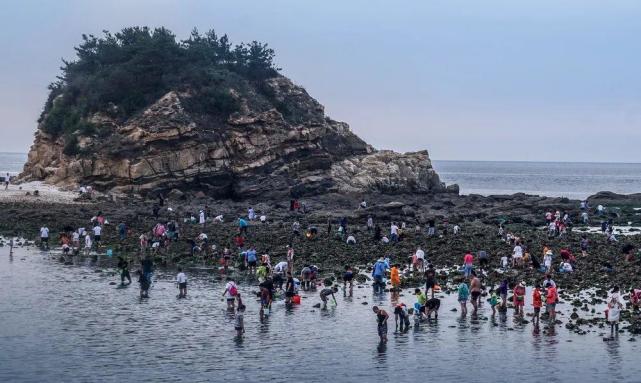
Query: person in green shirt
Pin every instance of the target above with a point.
(463, 296)
(421, 300)
(261, 272)
(494, 300)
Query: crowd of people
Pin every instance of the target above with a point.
(280, 280)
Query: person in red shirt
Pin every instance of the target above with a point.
(550, 301)
(519, 298)
(468, 260)
(537, 303)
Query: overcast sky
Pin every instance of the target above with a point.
(478, 80)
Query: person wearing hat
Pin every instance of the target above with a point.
(519, 298)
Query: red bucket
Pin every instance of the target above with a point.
(296, 299)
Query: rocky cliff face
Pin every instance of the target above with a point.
(257, 151)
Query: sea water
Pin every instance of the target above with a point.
(68, 323)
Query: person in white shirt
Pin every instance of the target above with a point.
(517, 255)
(615, 305)
(181, 280)
(394, 232)
(88, 243)
(351, 240)
(566, 267)
(97, 232)
(251, 214)
(370, 223)
(219, 218)
(75, 239)
(363, 204)
(44, 237)
(263, 218)
(456, 229)
(420, 259)
(281, 267)
(504, 262)
(231, 291)
(201, 217)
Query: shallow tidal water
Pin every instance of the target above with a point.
(66, 323)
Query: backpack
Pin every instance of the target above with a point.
(233, 290)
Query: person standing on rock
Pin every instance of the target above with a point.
(431, 228)
(517, 255)
(420, 260)
(242, 226)
(468, 261)
(475, 289)
(251, 214)
(393, 232)
(370, 223)
(7, 180)
(290, 258)
(201, 218)
(97, 235)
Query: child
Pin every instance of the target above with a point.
(494, 300)
(181, 279)
(537, 302)
(239, 324)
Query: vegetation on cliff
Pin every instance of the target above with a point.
(119, 74)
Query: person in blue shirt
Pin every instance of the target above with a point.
(379, 274)
(242, 225)
(251, 260)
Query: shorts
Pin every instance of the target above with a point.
(227, 257)
(430, 284)
(182, 285)
(44, 239)
(382, 329)
(462, 300)
(96, 238)
(289, 294)
(550, 306)
(251, 263)
(238, 328)
(230, 299)
(537, 310)
(475, 295)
